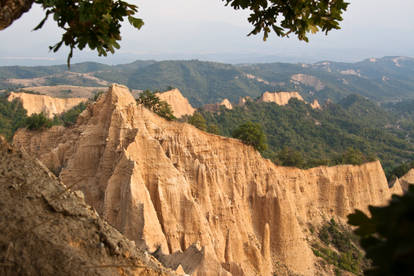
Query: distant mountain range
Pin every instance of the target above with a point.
(387, 79)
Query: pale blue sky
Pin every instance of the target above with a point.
(205, 29)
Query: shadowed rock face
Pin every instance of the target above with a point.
(41, 103)
(45, 229)
(172, 187)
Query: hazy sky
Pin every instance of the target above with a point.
(207, 30)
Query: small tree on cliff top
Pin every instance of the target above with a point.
(251, 134)
(198, 121)
(152, 102)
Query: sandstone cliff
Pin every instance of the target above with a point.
(280, 98)
(315, 104)
(216, 107)
(179, 104)
(46, 229)
(207, 203)
(41, 103)
(226, 103)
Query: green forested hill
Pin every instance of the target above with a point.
(200, 82)
(382, 80)
(322, 136)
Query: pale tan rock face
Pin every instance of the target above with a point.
(179, 104)
(280, 98)
(171, 186)
(41, 103)
(226, 103)
(396, 187)
(315, 104)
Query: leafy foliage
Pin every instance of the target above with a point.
(152, 102)
(354, 157)
(290, 158)
(286, 17)
(387, 236)
(400, 170)
(347, 255)
(70, 117)
(198, 121)
(95, 24)
(38, 121)
(12, 117)
(251, 134)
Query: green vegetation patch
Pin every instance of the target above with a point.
(70, 117)
(300, 136)
(387, 235)
(153, 103)
(12, 117)
(339, 247)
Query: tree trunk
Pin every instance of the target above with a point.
(11, 10)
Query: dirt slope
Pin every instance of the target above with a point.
(209, 203)
(45, 229)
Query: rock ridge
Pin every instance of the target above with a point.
(34, 103)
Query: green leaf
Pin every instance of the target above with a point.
(136, 22)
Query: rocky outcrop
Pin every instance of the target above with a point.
(226, 103)
(47, 229)
(396, 188)
(179, 104)
(280, 98)
(243, 100)
(217, 106)
(406, 180)
(41, 103)
(315, 104)
(283, 98)
(207, 203)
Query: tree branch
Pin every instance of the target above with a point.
(11, 10)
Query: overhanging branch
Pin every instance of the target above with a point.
(11, 10)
